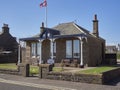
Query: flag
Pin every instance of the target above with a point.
(43, 4)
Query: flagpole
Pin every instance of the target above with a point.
(44, 4)
(46, 14)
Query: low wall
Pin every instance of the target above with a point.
(77, 77)
(9, 71)
(84, 78)
(110, 75)
(23, 69)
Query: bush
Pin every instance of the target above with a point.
(118, 55)
(34, 70)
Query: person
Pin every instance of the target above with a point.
(50, 61)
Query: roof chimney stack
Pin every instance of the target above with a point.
(95, 26)
(5, 28)
(42, 28)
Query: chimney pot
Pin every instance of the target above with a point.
(5, 28)
(95, 17)
(42, 24)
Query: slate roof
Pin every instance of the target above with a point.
(70, 28)
(63, 30)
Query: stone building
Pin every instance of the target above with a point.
(8, 46)
(111, 49)
(66, 41)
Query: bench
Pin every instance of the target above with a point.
(68, 62)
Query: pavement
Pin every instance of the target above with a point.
(55, 84)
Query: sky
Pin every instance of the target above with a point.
(24, 17)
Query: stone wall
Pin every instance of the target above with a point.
(45, 50)
(96, 46)
(46, 73)
(23, 69)
(60, 50)
(84, 78)
(8, 71)
(110, 75)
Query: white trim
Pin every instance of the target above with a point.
(79, 28)
(40, 59)
(52, 48)
(19, 50)
(81, 63)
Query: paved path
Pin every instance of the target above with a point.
(54, 84)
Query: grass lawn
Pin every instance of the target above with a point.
(8, 66)
(13, 66)
(56, 69)
(97, 70)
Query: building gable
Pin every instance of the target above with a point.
(69, 29)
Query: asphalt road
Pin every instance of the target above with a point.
(6, 86)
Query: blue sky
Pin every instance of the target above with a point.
(25, 16)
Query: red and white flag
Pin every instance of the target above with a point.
(43, 4)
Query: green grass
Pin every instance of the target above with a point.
(13, 66)
(56, 69)
(34, 70)
(97, 70)
(8, 66)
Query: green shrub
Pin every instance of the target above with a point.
(118, 55)
(34, 70)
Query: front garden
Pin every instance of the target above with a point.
(98, 75)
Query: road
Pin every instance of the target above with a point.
(6, 86)
(13, 82)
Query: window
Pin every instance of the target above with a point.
(69, 49)
(54, 49)
(72, 49)
(76, 49)
(38, 49)
(33, 49)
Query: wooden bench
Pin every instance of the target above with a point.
(68, 62)
(65, 62)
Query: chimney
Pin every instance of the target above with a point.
(95, 26)
(5, 28)
(42, 28)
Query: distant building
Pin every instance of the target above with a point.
(111, 49)
(8, 46)
(66, 41)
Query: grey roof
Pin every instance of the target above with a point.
(67, 29)
(70, 28)
(64, 29)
